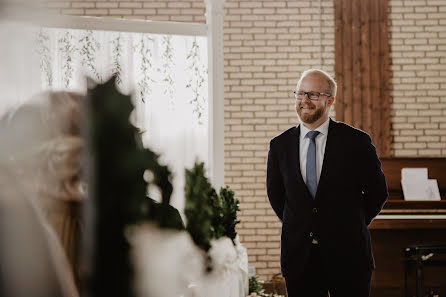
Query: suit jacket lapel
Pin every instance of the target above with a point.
(295, 159)
(329, 155)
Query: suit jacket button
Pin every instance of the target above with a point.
(315, 210)
(311, 234)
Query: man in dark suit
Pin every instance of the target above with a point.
(325, 183)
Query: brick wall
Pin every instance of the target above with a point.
(418, 51)
(156, 10)
(267, 44)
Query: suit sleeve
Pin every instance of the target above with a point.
(274, 183)
(373, 181)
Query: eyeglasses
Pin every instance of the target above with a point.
(300, 95)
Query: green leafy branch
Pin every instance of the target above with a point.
(198, 210)
(209, 215)
(89, 47)
(224, 218)
(230, 207)
(146, 64)
(197, 80)
(43, 51)
(167, 66)
(68, 49)
(117, 53)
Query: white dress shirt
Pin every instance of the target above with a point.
(321, 141)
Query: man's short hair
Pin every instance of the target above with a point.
(332, 85)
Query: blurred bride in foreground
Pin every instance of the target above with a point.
(41, 198)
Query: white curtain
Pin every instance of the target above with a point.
(19, 71)
(165, 74)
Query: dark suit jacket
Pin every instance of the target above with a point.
(351, 192)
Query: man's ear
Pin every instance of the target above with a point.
(331, 100)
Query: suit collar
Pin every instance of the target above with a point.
(331, 125)
(322, 129)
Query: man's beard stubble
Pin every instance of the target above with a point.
(310, 118)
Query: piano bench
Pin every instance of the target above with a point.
(420, 256)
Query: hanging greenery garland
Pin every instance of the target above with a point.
(117, 53)
(43, 50)
(78, 50)
(68, 50)
(167, 67)
(145, 51)
(197, 80)
(88, 50)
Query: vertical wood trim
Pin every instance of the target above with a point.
(385, 77)
(365, 67)
(362, 68)
(356, 69)
(347, 65)
(339, 60)
(375, 75)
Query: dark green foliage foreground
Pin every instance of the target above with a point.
(229, 206)
(115, 163)
(209, 215)
(198, 209)
(117, 190)
(224, 213)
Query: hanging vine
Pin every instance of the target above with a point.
(146, 64)
(43, 50)
(197, 80)
(117, 53)
(88, 50)
(68, 49)
(167, 67)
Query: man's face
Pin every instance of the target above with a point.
(310, 111)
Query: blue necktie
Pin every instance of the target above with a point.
(311, 163)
